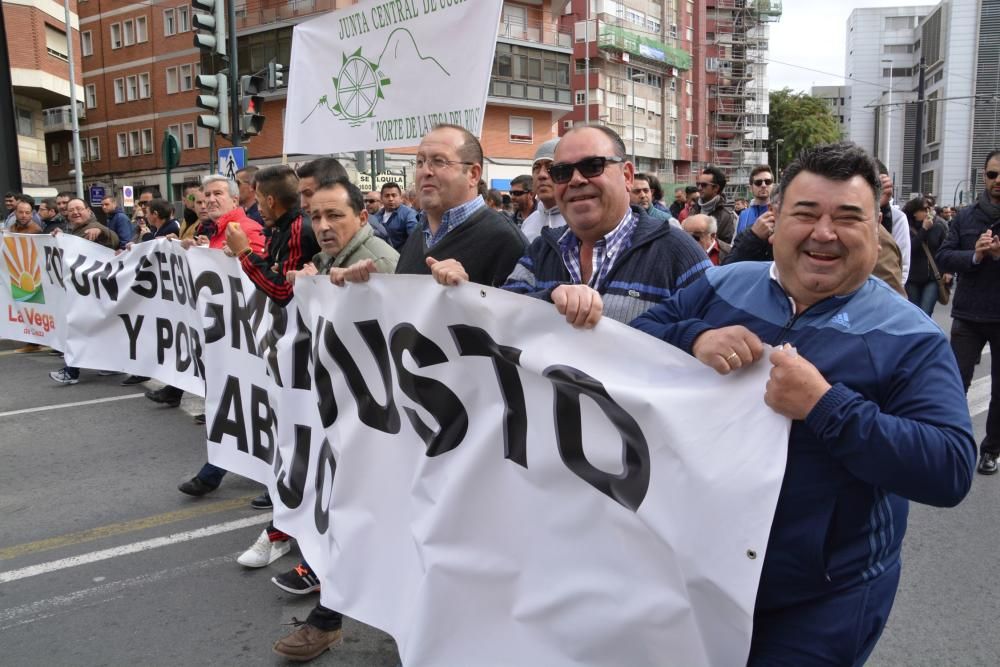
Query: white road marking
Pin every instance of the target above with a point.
(59, 406)
(61, 604)
(126, 549)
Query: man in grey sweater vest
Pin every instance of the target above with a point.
(456, 227)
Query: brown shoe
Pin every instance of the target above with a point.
(307, 642)
(30, 347)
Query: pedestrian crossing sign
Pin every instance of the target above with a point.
(231, 160)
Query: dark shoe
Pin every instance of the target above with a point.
(262, 502)
(196, 487)
(300, 580)
(307, 642)
(168, 396)
(987, 464)
(133, 379)
(199, 419)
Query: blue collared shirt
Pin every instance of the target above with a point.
(606, 251)
(451, 219)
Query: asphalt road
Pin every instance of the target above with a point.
(104, 562)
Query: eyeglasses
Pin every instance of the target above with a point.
(518, 193)
(992, 175)
(698, 236)
(372, 201)
(589, 167)
(436, 163)
(705, 184)
(763, 181)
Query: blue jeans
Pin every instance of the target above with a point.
(72, 371)
(924, 296)
(211, 475)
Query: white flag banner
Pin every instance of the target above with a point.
(135, 312)
(32, 295)
(381, 74)
(504, 489)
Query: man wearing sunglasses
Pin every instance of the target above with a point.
(522, 197)
(712, 201)
(612, 258)
(972, 249)
(758, 212)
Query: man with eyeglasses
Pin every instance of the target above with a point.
(759, 211)
(712, 201)
(612, 258)
(547, 215)
(459, 237)
(972, 249)
(396, 220)
(703, 229)
(522, 197)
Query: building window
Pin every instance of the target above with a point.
(141, 30)
(94, 145)
(144, 87)
(186, 78)
(122, 144)
(204, 137)
(169, 23)
(87, 43)
(25, 123)
(69, 152)
(581, 97)
(90, 94)
(520, 130)
(689, 33)
(187, 134)
(131, 88)
(55, 152)
(689, 87)
(172, 80)
(55, 43)
(119, 91)
(134, 147)
(183, 18)
(116, 36)
(689, 141)
(147, 141)
(128, 32)
(899, 22)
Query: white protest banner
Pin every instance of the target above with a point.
(381, 74)
(506, 490)
(32, 296)
(135, 312)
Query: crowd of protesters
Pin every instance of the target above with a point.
(821, 263)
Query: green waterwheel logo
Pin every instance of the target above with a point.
(359, 88)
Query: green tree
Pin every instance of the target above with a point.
(801, 120)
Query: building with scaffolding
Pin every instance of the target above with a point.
(735, 77)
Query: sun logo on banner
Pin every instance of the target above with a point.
(21, 256)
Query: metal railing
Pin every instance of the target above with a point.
(536, 32)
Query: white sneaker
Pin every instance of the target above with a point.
(263, 552)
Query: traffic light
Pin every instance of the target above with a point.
(380, 161)
(210, 16)
(251, 105)
(215, 99)
(275, 74)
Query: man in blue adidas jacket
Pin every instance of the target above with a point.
(879, 415)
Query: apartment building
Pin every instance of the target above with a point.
(38, 44)
(958, 44)
(835, 98)
(139, 69)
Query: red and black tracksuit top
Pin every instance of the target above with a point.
(291, 245)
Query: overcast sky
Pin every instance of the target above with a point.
(812, 34)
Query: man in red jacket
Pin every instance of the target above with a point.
(223, 203)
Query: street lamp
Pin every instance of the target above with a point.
(888, 121)
(634, 76)
(777, 158)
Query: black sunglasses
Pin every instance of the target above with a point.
(697, 236)
(372, 201)
(701, 185)
(518, 193)
(992, 175)
(589, 167)
(762, 181)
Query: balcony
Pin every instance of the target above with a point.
(536, 33)
(615, 38)
(532, 95)
(292, 11)
(60, 119)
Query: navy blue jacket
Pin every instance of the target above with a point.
(894, 426)
(977, 294)
(401, 222)
(658, 260)
(119, 223)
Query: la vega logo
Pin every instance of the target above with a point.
(24, 267)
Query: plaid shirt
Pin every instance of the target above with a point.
(606, 251)
(452, 218)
